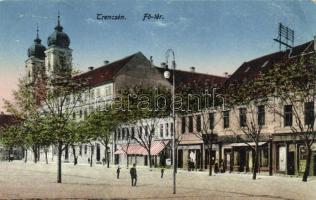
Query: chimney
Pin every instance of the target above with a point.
(226, 74)
(192, 69)
(106, 62)
(164, 65)
(315, 43)
(91, 68)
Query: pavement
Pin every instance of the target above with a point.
(20, 180)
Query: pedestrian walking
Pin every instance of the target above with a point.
(162, 171)
(118, 172)
(133, 173)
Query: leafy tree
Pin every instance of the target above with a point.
(11, 136)
(25, 106)
(61, 98)
(293, 83)
(141, 109)
(100, 124)
(198, 104)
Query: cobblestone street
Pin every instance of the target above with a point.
(20, 180)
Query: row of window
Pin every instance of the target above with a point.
(129, 133)
(287, 110)
(91, 95)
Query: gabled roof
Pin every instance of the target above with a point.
(107, 72)
(185, 77)
(104, 73)
(249, 70)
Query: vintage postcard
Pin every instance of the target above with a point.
(148, 99)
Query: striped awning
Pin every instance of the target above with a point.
(157, 147)
(136, 149)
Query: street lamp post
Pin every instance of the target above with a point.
(167, 75)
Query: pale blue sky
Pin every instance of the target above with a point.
(213, 36)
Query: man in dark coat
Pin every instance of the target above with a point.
(133, 173)
(118, 172)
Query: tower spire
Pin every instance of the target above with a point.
(58, 27)
(37, 37)
(58, 22)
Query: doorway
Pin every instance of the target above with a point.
(290, 163)
(282, 158)
(180, 158)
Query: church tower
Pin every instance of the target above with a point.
(35, 64)
(58, 60)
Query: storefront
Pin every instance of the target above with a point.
(135, 153)
(239, 157)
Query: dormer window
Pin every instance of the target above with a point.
(264, 64)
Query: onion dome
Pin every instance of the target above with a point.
(37, 49)
(58, 37)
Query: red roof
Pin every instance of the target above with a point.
(249, 70)
(7, 120)
(104, 73)
(184, 77)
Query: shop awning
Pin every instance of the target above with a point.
(136, 149)
(190, 139)
(244, 144)
(157, 147)
(131, 149)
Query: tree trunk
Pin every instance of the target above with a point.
(46, 158)
(127, 161)
(91, 155)
(255, 170)
(308, 163)
(35, 154)
(74, 154)
(9, 156)
(106, 155)
(210, 161)
(60, 151)
(149, 156)
(25, 157)
(211, 166)
(38, 153)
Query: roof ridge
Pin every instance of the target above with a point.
(200, 73)
(277, 52)
(103, 66)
